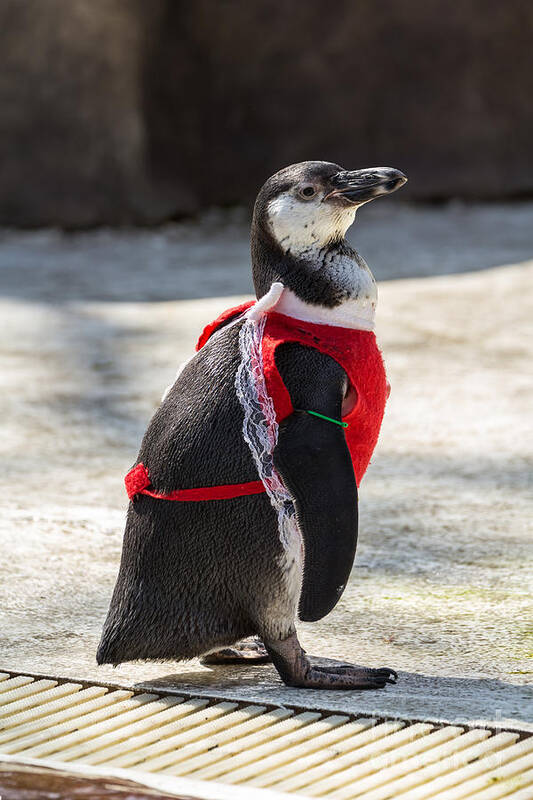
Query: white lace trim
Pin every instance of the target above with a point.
(260, 428)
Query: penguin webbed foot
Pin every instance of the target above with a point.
(296, 670)
(247, 651)
(358, 677)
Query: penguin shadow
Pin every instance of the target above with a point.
(219, 676)
(231, 676)
(416, 696)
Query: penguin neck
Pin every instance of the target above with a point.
(350, 314)
(329, 284)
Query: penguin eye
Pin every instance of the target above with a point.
(307, 192)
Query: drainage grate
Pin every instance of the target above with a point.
(309, 753)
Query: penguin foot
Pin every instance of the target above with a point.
(248, 651)
(296, 670)
(356, 677)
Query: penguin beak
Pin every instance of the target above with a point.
(361, 185)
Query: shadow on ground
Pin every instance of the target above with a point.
(210, 257)
(448, 696)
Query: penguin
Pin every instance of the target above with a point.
(243, 500)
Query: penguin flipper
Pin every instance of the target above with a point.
(314, 461)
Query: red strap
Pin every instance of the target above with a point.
(137, 481)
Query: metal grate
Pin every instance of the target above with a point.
(309, 753)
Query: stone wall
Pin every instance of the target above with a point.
(119, 111)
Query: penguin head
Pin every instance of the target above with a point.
(312, 204)
(300, 218)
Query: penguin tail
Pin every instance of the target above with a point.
(136, 640)
(108, 651)
(118, 642)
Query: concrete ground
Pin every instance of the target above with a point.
(93, 327)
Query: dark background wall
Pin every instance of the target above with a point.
(119, 111)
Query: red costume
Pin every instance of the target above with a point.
(357, 353)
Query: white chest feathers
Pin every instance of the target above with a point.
(356, 313)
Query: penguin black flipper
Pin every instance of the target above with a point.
(314, 461)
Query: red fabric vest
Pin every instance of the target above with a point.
(357, 353)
